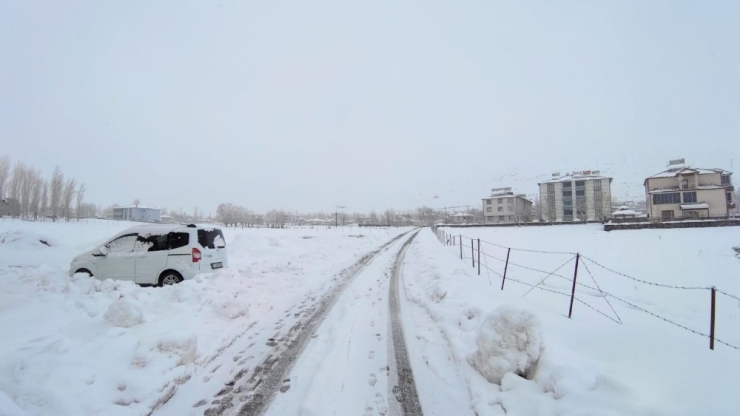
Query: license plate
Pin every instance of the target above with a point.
(216, 265)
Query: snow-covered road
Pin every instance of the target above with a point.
(304, 326)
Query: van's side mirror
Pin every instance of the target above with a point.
(102, 251)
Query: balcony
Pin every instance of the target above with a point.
(729, 188)
(731, 205)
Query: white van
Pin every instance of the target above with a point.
(155, 254)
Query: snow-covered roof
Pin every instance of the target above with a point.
(134, 206)
(672, 172)
(576, 177)
(461, 214)
(701, 205)
(524, 196)
(624, 212)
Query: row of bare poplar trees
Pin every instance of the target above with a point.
(29, 195)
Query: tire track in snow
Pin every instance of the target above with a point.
(253, 395)
(402, 380)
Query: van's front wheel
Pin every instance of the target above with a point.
(169, 278)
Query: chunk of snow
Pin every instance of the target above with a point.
(509, 340)
(123, 314)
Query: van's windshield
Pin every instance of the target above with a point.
(211, 238)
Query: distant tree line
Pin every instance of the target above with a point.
(30, 195)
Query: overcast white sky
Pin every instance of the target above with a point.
(304, 105)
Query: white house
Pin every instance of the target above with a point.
(504, 207)
(682, 192)
(579, 196)
(136, 213)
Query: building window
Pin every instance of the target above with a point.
(511, 208)
(666, 215)
(500, 218)
(567, 215)
(567, 202)
(511, 218)
(729, 197)
(580, 192)
(567, 184)
(669, 198)
(488, 201)
(581, 183)
(551, 188)
(726, 180)
(489, 218)
(500, 209)
(597, 185)
(689, 197)
(508, 201)
(684, 184)
(694, 215)
(489, 209)
(567, 192)
(500, 201)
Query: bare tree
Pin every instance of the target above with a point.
(36, 193)
(137, 201)
(80, 197)
(4, 174)
(44, 203)
(55, 192)
(68, 196)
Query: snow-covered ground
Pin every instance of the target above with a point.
(588, 364)
(79, 346)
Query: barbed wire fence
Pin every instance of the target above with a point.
(470, 249)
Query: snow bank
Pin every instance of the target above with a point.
(123, 314)
(80, 346)
(509, 341)
(591, 365)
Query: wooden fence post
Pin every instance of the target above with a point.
(573, 290)
(472, 252)
(711, 322)
(506, 267)
(461, 244)
(479, 257)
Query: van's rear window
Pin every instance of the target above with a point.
(211, 238)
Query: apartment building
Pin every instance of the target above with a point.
(504, 207)
(579, 196)
(682, 193)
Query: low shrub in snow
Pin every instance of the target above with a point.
(509, 340)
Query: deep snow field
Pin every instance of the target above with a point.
(79, 346)
(589, 364)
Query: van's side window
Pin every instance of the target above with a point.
(151, 243)
(178, 240)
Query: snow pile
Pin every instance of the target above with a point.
(123, 314)
(509, 341)
(25, 239)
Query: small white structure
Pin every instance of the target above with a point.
(136, 213)
(460, 218)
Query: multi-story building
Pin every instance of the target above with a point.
(579, 196)
(683, 192)
(504, 207)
